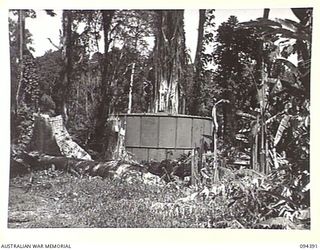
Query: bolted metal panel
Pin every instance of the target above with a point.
(157, 154)
(198, 128)
(141, 154)
(207, 131)
(133, 125)
(162, 136)
(184, 132)
(149, 131)
(167, 132)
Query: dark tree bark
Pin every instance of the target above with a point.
(194, 108)
(63, 86)
(21, 38)
(264, 140)
(101, 136)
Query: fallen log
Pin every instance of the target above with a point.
(80, 167)
(130, 172)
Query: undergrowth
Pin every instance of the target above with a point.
(49, 198)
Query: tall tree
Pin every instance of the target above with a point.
(202, 82)
(104, 106)
(88, 106)
(194, 108)
(169, 61)
(283, 88)
(21, 21)
(25, 84)
(20, 41)
(236, 47)
(61, 93)
(262, 101)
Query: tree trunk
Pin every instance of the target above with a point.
(263, 132)
(21, 21)
(228, 112)
(62, 89)
(100, 137)
(255, 146)
(194, 109)
(86, 96)
(130, 90)
(169, 60)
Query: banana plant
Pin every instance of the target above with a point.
(281, 39)
(253, 135)
(285, 38)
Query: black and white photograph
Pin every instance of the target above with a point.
(160, 118)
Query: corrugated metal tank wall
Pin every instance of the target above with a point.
(161, 136)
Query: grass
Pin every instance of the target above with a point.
(58, 199)
(55, 199)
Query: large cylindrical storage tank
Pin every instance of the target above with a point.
(162, 136)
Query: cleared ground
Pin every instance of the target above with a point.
(57, 199)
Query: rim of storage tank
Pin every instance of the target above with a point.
(166, 115)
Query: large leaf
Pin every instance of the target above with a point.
(303, 14)
(283, 32)
(302, 31)
(272, 119)
(289, 24)
(282, 126)
(241, 137)
(245, 115)
(261, 22)
(294, 69)
(288, 79)
(284, 27)
(50, 13)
